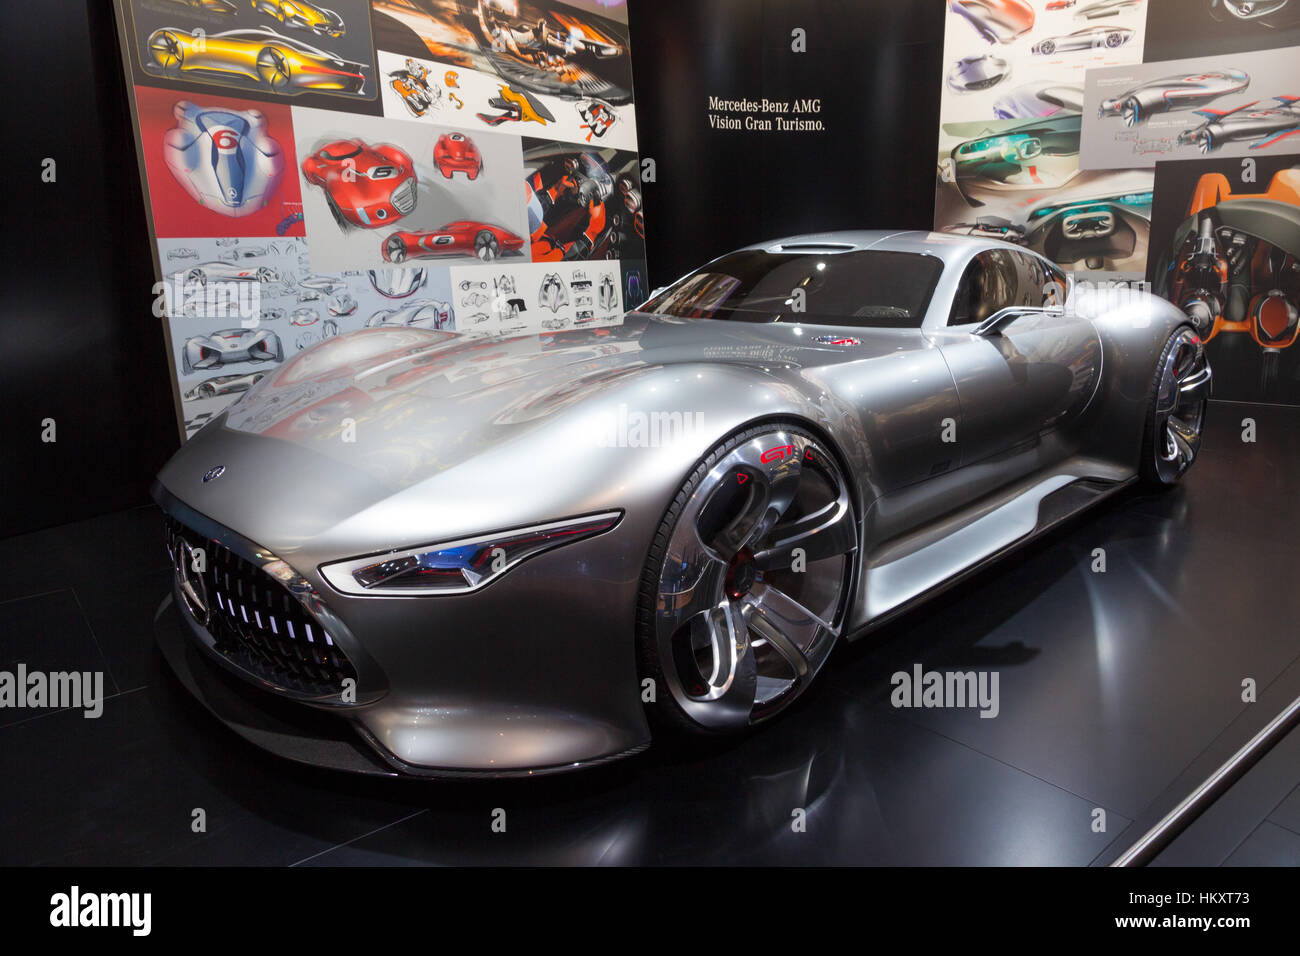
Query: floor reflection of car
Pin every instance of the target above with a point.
(262, 56)
(1089, 38)
(223, 385)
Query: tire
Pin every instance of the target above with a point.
(395, 250)
(1047, 48)
(1114, 40)
(718, 576)
(1175, 410)
(273, 70)
(168, 54)
(485, 246)
(1132, 111)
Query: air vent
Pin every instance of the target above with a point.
(827, 247)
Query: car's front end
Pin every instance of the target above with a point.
(496, 680)
(1268, 12)
(421, 545)
(319, 20)
(373, 203)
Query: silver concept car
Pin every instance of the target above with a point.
(1089, 38)
(1182, 92)
(409, 551)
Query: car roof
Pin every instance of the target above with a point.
(949, 247)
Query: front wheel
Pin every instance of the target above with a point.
(746, 586)
(1176, 410)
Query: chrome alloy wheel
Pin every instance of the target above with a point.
(1181, 399)
(755, 577)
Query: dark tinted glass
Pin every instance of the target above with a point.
(867, 288)
(1001, 278)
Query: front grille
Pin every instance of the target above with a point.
(403, 197)
(259, 626)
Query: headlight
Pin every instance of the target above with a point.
(456, 567)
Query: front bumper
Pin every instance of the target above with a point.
(532, 675)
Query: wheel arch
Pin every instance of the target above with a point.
(1133, 336)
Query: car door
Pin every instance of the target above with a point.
(1029, 372)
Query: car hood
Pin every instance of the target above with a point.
(374, 416)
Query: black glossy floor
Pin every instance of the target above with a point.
(1119, 691)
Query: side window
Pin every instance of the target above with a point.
(1057, 287)
(991, 282)
(1043, 284)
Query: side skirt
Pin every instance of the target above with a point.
(1055, 507)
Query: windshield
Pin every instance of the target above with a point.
(866, 288)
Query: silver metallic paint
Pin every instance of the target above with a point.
(459, 437)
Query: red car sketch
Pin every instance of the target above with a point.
(464, 238)
(366, 186)
(456, 153)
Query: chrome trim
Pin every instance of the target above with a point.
(1151, 843)
(371, 685)
(1000, 319)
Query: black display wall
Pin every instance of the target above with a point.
(873, 64)
(79, 343)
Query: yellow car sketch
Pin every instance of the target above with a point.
(225, 7)
(298, 13)
(263, 56)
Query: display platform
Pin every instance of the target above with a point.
(1119, 692)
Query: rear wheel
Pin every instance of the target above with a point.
(1176, 410)
(395, 249)
(1132, 111)
(746, 586)
(273, 69)
(485, 246)
(1047, 47)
